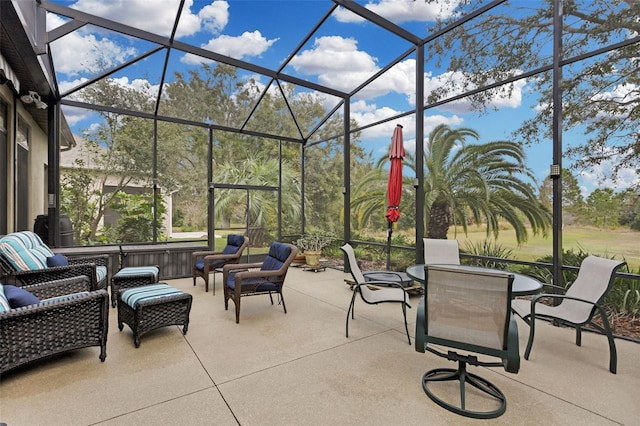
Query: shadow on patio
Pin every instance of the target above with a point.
(298, 368)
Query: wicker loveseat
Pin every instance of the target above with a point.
(25, 257)
(71, 314)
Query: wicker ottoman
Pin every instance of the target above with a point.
(153, 306)
(133, 276)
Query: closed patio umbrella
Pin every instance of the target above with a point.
(394, 185)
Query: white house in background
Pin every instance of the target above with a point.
(111, 183)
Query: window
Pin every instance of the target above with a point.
(23, 137)
(4, 167)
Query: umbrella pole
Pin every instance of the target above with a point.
(389, 232)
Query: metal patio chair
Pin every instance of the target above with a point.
(375, 292)
(577, 307)
(467, 311)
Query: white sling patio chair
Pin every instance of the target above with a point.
(578, 305)
(467, 311)
(441, 252)
(374, 292)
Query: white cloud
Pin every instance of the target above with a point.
(501, 97)
(215, 16)
(158, 16)
(247, 44)
(402, 10)
(337, 62)
(365, 113)
(75, 115)
(602, 176)
(78, 51)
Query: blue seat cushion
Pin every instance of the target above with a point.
(278, 254)
(212, 264)
(260, 284)
(235, 240)
(19, 297)
(134, 296)
(228, 249)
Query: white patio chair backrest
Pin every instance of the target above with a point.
(468, 307)
(356, 273)
(441, 252)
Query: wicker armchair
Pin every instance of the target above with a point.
(25, 257)
(250, 279)
(205, 262)
(77, 317)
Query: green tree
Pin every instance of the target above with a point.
(572, 200)
(257, 208)
(77, 200)
(630, 210)
(601, 94)
(135, 223)
(603, 206)
(216, 94)
(483, 183)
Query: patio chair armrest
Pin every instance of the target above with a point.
(562, 289)
(196, 254)
(60, 287)
(383, 284)
(258, 274)
(397, 274)
(387, 284)
(232, 266)
(535, 299)
(98, 260)
(220, 256)
(56, 273)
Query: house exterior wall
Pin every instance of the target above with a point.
(37, 164)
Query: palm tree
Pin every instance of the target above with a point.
(480, 183)
(261, 213)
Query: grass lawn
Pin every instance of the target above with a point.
(621, 244)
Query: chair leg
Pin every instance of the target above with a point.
(531, 333)
(282, 299)
(613, 354)
(406, 327)
(237, 303)
(350, 310)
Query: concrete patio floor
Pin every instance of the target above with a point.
(299, 369)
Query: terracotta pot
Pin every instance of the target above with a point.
(313, 257)
(299, 259)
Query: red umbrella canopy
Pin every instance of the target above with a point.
(394, 185)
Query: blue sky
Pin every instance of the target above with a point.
(342, 54)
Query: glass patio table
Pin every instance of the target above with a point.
(523, 285)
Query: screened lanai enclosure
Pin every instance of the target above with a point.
(193, 119)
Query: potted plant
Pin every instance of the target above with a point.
(312, 243)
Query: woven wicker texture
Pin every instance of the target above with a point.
(156, 313)
(125, 281)
(37, 331)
